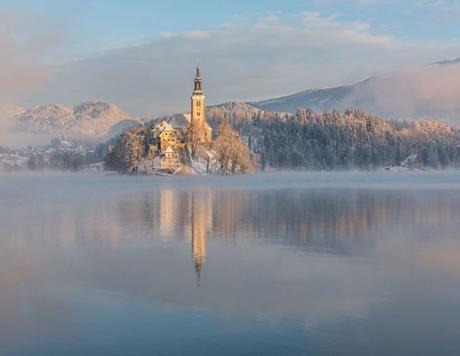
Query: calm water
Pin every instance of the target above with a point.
(287, 264)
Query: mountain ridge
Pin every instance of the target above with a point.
(87, 120)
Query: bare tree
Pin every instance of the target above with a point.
(193, 139)
(232, 153)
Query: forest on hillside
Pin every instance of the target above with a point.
(334, 140)
(309, 140)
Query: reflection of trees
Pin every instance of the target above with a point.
(298, 217)
(230, 209)
(284, 215)
(320, 215)
(314, 217)
(291, 216)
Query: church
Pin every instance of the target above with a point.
(171, 139)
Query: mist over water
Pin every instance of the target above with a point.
(292, 263)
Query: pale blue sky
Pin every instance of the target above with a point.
(96, 25)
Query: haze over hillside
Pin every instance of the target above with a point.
(431, 91)
(415, 92)
(89, 120)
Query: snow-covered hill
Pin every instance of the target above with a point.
(89, 120)
(240, 114)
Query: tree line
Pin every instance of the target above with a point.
(335, 140)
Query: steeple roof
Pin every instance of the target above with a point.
(198, 81)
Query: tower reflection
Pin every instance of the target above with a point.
(200, 223)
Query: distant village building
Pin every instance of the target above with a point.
(412, 161)
(170, 159)
(457, 156)
(170, 137)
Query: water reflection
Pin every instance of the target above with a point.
(314, 219)
(333, 266)
(288, 216)
(201, 221)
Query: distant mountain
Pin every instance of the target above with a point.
(451, 61)
(121, 126)
(431, 91)
(89, 120)
(315, 99)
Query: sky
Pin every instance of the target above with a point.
(140, 54)
(97, 25)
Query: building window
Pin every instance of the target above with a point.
(198, 103)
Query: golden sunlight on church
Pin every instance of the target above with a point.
(174, 140)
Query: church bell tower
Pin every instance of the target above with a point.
(198, 113)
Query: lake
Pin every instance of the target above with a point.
(347, 263)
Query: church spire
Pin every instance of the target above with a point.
(197, 80)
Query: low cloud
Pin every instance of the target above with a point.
(422, 91)
(242, 60)
(20, 49)
(21, 73)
